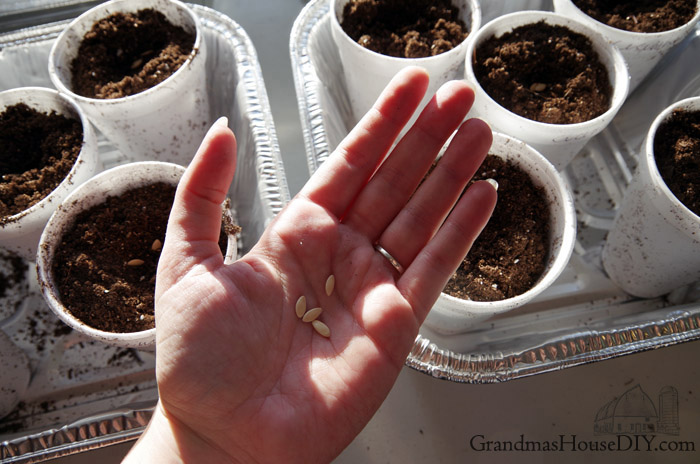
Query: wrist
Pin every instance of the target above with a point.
(166, 440)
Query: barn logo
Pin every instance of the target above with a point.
(636, 413)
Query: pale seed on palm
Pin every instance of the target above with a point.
(301, 306)
(321, 328)
(330, 284)
(312, 314)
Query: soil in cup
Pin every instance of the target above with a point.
(105, 265)
(404, 28)
(512, 251)
(640, 16)
(545, 73)
(677, 154)
(37, 152)
(127, 53)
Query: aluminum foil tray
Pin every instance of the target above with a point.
(84, 394)
(583, 317)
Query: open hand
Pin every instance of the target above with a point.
(241, 377)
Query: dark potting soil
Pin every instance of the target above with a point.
(640, 15)
(512, 251)
(105, 266)
(677, 153)
(546, 73)
(37, 152)
(127, 53)
(404, 28)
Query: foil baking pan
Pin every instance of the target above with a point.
(583, 317)
(84, 394)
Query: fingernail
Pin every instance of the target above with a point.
(493, 183)
(465, 82)
(221, 122)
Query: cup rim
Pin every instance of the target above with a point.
(475, 25)
(88, 136)
(53, 64)
(567, 241)
(632, 35)
(618, 73)
(690, 103)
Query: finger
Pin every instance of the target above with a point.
(397, 178)
(427, 275)
(416, 224)
(195, 219)
(338, 181)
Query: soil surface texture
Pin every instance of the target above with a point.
(404, 28)
(37, 152)
(640, 15)
(511, 253)
(127, 53)
(677, 153)
(105, 266)
(546, 73)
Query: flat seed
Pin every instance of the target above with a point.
(135, 262)
(330, 284)
(538, 87)
(312, 314)
(301, 306)
(321, 328)
(136, 63)
(157, 245)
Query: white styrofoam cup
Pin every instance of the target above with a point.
(451, 315)
(641, 50)
(367, 73)
(164, 123)
(20, 232)
(559, 143)
(653, 246)
(111, 182)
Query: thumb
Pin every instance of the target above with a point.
(195, 219)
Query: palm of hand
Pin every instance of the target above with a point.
(265, 370)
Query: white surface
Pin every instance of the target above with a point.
(428, 421)
(14, 374)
